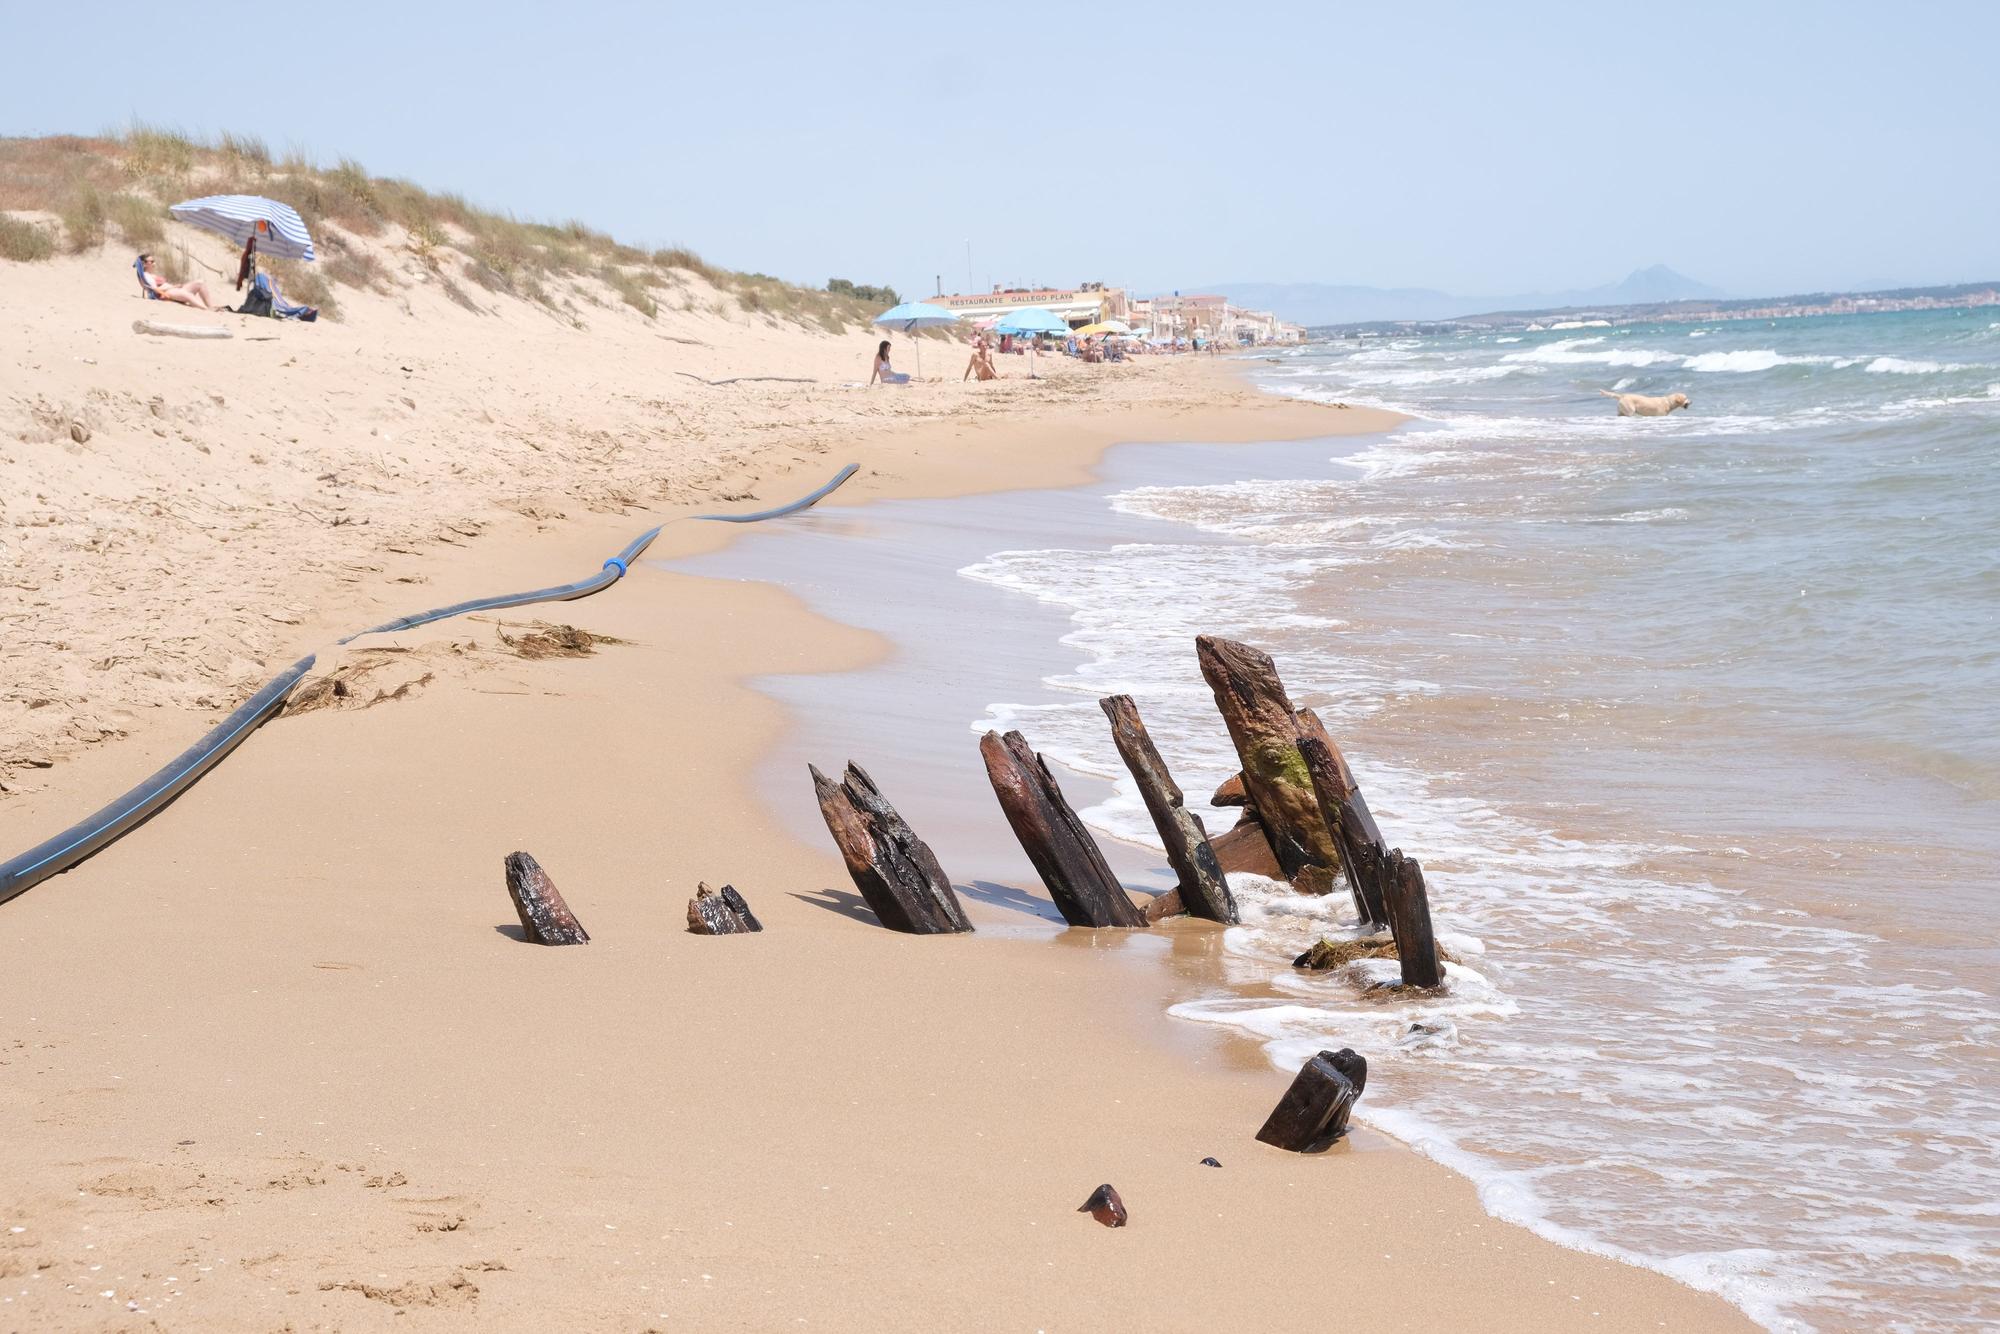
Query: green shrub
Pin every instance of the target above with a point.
(245, 152)
(83, 220)
(630, 290)
(680, 257)
(862, 292)
(152, 151)
(23, 240)
(141, 221)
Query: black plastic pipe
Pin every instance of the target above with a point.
(72, 845)
(142, 802)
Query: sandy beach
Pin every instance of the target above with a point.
(279, 1059)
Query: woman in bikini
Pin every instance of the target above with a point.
(188, 294)
(882, 370)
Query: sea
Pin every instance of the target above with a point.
(1693, 722)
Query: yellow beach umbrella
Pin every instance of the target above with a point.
(1106, 327)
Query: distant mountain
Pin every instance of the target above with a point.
(1326, 303)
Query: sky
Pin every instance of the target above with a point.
(1479, 148)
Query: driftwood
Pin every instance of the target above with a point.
(1202, 889)
(1230, 793)
(1245, 849)
(1347, 816)
(897, 873)
(1162, 906)
(720, 912)
(747, 379)
(545, 918)
(1265, 731)
(1065, 855)
(1314, 1111)
(1105, 1206)
(160, 330)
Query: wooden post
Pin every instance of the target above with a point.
(545, 918)
(720, 912)
(1064, 853)
(1314, 1111)
(1259, 716)
(1203, 890)
(897, 873)
(1243, 847)
(1409, 907)
(1341, 807)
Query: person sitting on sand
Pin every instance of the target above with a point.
(188, 294)
(981, 363)
(882, 370)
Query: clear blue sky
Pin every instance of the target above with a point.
(1478, 148)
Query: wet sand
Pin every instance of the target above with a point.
(279, 1058)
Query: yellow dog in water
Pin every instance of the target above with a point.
(1645, 405)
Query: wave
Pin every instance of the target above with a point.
(1898, 366)
(1564, 352)
(1747, 360)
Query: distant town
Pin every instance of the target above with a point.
(1162, 319)
(1696, 311)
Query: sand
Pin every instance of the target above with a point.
(278, 1060)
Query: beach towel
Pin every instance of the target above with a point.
(282, 309)
(139, 267)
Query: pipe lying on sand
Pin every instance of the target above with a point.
(133, 809)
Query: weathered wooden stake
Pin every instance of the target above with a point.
(1409, 907)
(720, 912)
(545, 918)
(1065, 855)
(1346, 815)
(1203, 890)
(897, 873)
(1261, 723)
(1314, 1111)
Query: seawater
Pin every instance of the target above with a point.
(1695, 725)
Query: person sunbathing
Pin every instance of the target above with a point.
(883, 371)
(188, 294)
(981, 363)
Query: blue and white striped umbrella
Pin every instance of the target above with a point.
(281, 232)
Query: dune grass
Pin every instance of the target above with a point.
(23, 241)
(125, 181)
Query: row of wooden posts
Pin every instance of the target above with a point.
(1304, 820)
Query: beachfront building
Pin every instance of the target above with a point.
(1077, 306)
(1211, 317)
(1206, 315)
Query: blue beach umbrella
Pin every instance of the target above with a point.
(1030, 320)
(911, 316)
(279, 229)
(1027, 321)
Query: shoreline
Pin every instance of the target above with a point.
(416, 845)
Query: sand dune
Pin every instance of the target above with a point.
(178, 515)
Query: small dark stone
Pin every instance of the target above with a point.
(1105, 1206)
(1210, 1162)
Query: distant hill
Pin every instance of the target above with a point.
(1327, 303)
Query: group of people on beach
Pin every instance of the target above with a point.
(1094, 348)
